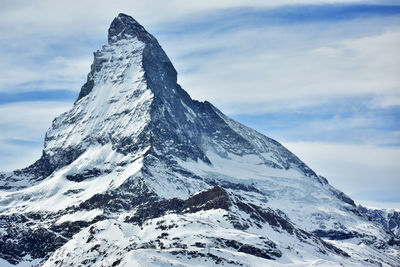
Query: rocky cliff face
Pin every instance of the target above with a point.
(139, 173)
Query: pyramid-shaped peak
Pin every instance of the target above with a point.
(124, 26)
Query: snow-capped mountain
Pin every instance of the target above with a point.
(389, 218)
(137, 173)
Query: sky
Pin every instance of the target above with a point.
(320, 77)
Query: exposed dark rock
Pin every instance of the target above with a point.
(21, 241)
(215, 198)
(256, 252)
(73, 192)
(267, 251)
(394, 242)
(129, 195)
(237, 222)
(269, 216)
(40, 169)
(210, 256)
(336, 235)
(155, 209)
(88, 86)
(234, 186)
(334, 249)
(117, 262)
(124, 26)
(87, 174)
(199, 245)
(342, 196)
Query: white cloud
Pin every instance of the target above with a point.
(27, 62)
(13, 157)
(68, 17)
(365, 172)
(338, 124)
(52, 74)
(26, 122)
(387, 100)
(380, 205)
(299, 69)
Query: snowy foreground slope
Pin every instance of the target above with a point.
(139, 174)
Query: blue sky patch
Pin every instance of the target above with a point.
(49, 95)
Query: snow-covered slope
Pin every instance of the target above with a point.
(388, 218)
(138, 173)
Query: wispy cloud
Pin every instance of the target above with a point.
(29, 70)
(344, 120)
(22, 129)
(364, 172)
(289, 66)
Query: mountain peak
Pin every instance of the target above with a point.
(125, 27)
(127, 38)
(137, 167)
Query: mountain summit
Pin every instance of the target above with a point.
(137, 173)
(126, 27)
